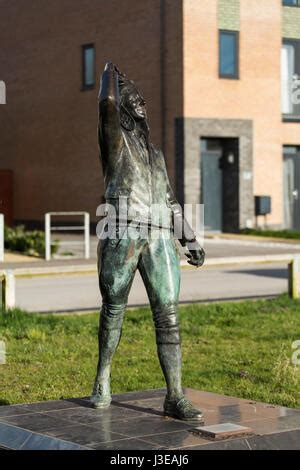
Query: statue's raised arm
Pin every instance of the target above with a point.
(109, 130)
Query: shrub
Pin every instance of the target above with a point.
(28, 242)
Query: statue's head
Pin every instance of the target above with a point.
(132, 100)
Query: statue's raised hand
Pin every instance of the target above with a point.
(113, 67)
(109, 66)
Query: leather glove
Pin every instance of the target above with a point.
(196, 253)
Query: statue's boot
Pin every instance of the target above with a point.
(181, 408)
(169, 353)
(110, 329)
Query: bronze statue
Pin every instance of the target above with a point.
(135, 171)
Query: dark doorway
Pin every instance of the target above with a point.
(211, 183)
(6, 196)
(220, 183)
(291, 186)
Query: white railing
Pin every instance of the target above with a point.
(7, 277)
(8, 289)
(58, 228)
(1, 237)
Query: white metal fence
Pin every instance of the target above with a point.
(8, 289)
(67, 228)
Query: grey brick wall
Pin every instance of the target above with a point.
(229, 14)
(291, 22)
(190, 134)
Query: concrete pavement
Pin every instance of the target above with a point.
(80, 292)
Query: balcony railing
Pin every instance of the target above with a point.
(291, 99)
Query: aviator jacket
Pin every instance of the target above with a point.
(134, 171)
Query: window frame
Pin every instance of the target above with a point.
(296, 43)
(236, 34)
(84, 85)
(291, 6)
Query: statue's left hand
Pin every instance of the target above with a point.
(196, 254)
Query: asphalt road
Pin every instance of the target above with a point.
(80, 292)
(214, 248)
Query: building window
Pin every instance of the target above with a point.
(228, 54)
(290, 79)
(291, 3)
(88, 66)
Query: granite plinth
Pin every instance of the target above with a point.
(135, 421)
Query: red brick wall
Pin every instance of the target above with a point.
(6, 196)
(48, 127)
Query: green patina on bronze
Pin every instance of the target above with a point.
(135, 179)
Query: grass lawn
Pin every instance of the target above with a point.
(293, 234)
(241, 349)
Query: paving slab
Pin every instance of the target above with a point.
(135, 421)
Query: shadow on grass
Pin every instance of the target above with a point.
(4, 402)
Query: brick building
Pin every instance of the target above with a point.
(216, 74)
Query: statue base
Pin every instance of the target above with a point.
(135, 421)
